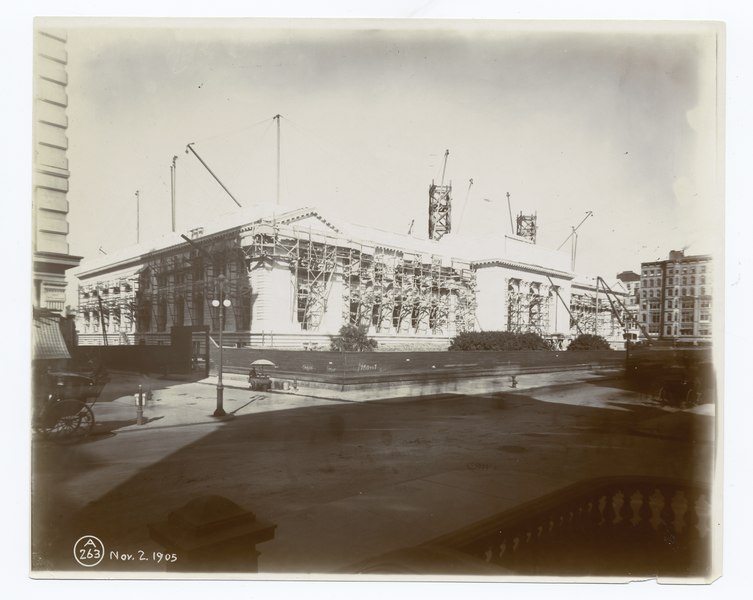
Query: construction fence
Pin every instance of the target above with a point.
(327, 365)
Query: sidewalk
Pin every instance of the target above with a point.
(175, 403)
(181, 404)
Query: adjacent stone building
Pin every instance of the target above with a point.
(50, 252)
(51, 256)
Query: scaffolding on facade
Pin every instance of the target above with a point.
(600, 313)
(385, 289)
(177, 287)
(528, 307)
(389, 290)
(108, 308)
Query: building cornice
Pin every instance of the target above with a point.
(57, 258)
(536, 269)
(694, 258)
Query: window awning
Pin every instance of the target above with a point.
(47, 339)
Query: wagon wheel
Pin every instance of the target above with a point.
(68, 421)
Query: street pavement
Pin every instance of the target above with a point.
(344, 479)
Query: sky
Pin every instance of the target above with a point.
(619, 120)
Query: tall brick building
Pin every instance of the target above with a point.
(676, 297)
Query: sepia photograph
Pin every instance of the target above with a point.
(377, 299)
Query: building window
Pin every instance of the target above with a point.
(198, 308)
(302, 306)
(244, 323)
(219, 266)
(354, 312)
(162, 314)
(414, 316)
(197, 269)
(115, 319)
(376, 312)
(145, 317)
(179, 311)
(396, 309)
(433, 314)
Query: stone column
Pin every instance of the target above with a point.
(332, 319)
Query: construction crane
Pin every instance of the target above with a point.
(574, 235)
(206, 166)
(610, 294)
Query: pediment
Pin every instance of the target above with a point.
(309, 219)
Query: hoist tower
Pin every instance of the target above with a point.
(526, 227)
(440, 206)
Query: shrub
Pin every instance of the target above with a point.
(587, 341)
(498, 340)
(352, 338)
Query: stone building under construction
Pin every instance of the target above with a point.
(294, 277)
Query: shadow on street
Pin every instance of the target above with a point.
(495, 450)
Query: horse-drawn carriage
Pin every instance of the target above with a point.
(63, 399)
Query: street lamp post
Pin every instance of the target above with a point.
(220, 303)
